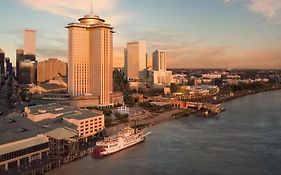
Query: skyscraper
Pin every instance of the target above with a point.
(19, 58)
(135, 60)
(49, 69)
(27, 70)
(159, 76)
(2, 67)
(90, 58)
(9, 66)
(159, 60)
(30, 42)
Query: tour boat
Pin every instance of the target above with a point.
(125, 138)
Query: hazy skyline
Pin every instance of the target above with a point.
(195, 33)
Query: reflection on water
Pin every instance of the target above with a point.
(245, 139)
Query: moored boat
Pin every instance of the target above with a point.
(125, 138)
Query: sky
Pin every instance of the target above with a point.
(195, 33)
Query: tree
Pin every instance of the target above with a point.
(107, 112)
(174, 88)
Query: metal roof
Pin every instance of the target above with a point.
(62, 133)
(22, 144)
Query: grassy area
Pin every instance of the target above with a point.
(155, 108)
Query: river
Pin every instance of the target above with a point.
(245, 139)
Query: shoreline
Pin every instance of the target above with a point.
(244, 94)
(159, 118)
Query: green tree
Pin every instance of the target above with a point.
(174, 88)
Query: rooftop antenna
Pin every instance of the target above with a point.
(91, 7)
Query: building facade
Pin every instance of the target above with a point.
(90, 58)
(30, 42)
(87, 123)
(49, 69)
(159, 76)
(19, 58)
(135, 61)
(159, 60)
(9, 66)
(2, 66)
(27, 72)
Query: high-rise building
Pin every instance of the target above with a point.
(19, 58)
(90, 58)
(159, 76)
(49, 69)
(159, 60)
(30, 42)
(9, 66)
(2, 67)
(27, 71)
(135, 60)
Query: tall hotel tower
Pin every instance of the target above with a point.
(90, 58)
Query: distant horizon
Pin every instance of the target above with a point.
(207, 34)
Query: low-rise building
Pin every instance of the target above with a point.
(179, 79)
(86, 122)
(212, 76)
(47, 88)
(22, 144)
(160, 78)
(57, 85)
(63, 144)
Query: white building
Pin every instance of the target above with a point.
(159, 60)
(179, 79)
(90, 54)
(135, 60)
(212, 76)
(159, 76)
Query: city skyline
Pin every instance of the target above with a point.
(195, 34)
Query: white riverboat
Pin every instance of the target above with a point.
(125, 138)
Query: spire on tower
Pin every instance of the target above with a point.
(91, 7)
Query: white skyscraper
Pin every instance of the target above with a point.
(159, 76)
(135, 60)
(90, 58)
(30, 42)
(159, 60)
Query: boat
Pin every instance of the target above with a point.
(127, 137)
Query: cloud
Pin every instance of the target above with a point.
(267, 8)
(70, 8)
(223, 57)
(76, 8)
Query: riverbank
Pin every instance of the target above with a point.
(245, 93)
(180, 113)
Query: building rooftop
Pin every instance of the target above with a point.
(22, 144)
(62, 133)
(48, 86)
(62, 111)
(82, 114)
(53, 108)
(15, 127)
